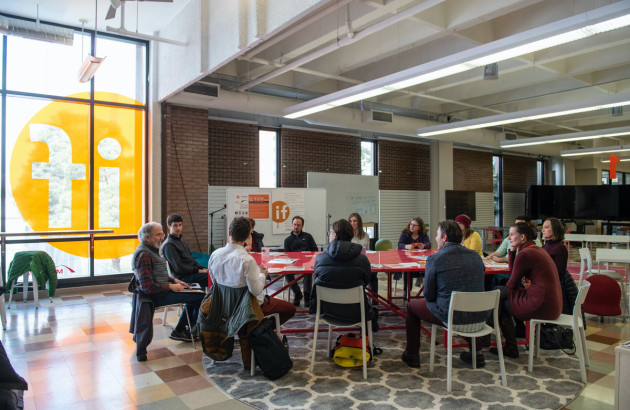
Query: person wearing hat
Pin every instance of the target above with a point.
(471, 239)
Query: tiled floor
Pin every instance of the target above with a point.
(77, 354)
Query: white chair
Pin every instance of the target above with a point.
(177, 306)
(3, 313)
(470, 302)
(25, 289)
(354, 295)
(276, 316)
(573, 321)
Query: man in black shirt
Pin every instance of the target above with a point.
(300, 241)
(183, 266)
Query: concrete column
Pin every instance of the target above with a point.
(441, 180)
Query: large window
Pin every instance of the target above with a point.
(368, 155)
(74, 153)
(268, 158)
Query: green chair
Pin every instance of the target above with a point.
(383, 245)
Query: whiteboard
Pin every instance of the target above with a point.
(314, 214)
(347, 193)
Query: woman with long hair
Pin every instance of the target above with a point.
(553, 235)
(471, 239)
(414, 236)
(360, 236)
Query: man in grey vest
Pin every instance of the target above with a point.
(153, 280)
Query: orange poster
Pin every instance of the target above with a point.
(259, 206)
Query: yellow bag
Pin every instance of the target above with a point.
(347, 351)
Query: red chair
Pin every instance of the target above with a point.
(493, 235)
(604, 297)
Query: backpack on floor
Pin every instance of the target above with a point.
(270, 353)
(347, 351)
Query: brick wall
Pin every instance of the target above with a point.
(518, 173)
(232, 154)
(472, 170)
(185, 174)
(309, 151)
(404, 166)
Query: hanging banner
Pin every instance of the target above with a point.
(286, 205)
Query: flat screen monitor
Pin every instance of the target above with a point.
(460, 202)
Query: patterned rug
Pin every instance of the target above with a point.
(391, 384)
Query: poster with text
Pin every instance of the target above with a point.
(259, 206)
(286, 204)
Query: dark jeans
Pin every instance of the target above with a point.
(417, 310)
(192, 301)
(200, 278)
(308, 285)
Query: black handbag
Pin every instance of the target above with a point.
(554, 337)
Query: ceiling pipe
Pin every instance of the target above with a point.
(343, 42)
(307, 71)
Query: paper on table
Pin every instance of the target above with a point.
(275, 270)
(420, 257)
(284, 261)
(277, 254)
(402, 265)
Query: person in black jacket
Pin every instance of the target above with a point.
(300, 241)
(256, 243)
(342, 266)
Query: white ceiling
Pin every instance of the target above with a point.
(145, 16)
(582, 70)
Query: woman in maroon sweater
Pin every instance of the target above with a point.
(553, 235)
(533, 290)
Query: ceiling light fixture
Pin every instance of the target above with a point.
(594, 151)
(561, 32)
(573, 136)
(527, 115)
(620, 160)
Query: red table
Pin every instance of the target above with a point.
(390, 261)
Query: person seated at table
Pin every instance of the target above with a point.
(452, 268)
(255, 244)
(533, 290)
(343, 266)
(300, 241)
(361, 237)
(553, 235)
(414, 236)
(470, 238)
(232, 266)
(501, 254)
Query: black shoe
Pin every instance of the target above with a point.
(182, 336)
(412, 360)
(296, 300)
(466, 357)
(142, 358)
(508, 351)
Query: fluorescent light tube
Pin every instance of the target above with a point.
(574, 136)
(594, 151)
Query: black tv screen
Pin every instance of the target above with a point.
(460, 202)
(586, 201)
(603, 202)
